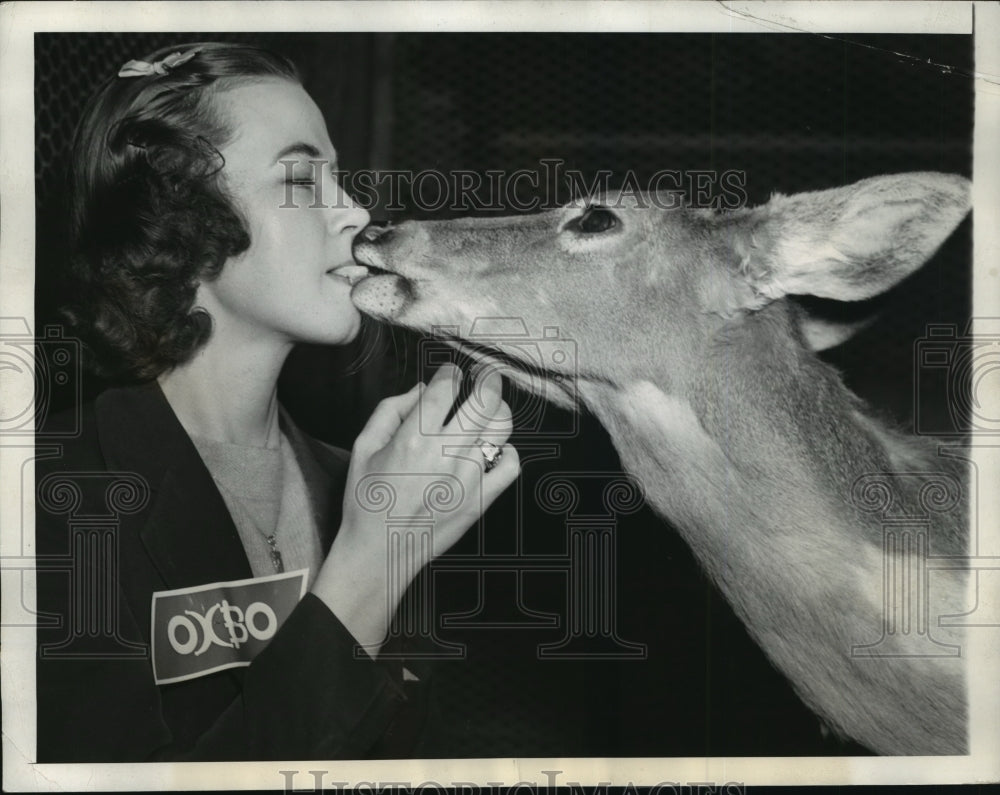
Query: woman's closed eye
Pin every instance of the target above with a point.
(301, 177)
(308, 177)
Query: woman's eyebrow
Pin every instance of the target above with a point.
(300, 148)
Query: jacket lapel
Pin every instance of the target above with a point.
(187, 530)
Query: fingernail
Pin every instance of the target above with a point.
(491, 379)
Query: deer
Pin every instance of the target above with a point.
(697, 358)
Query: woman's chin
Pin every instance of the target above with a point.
(334, 325)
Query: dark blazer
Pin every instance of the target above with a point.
(128, 508)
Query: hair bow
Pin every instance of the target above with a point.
(144, 68)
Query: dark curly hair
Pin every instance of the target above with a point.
(149, 216)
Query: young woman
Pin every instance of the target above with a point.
(195, 277)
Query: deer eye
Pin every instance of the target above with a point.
(594, 221)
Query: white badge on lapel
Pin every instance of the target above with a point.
(208, 628)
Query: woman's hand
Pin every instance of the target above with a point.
(407, 465)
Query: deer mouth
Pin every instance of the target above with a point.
(382, 293)
(516, 363)
(388, 295)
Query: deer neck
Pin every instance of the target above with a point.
(754, 463)
(754, 467)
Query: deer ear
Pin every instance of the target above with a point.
(854, 242)
(827, 324)
(820, 333)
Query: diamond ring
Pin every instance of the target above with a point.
(491, 454)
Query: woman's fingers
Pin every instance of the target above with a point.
(405, 433)
(436, 400)
(483, 414)
(499, 429)
(389, 414)
(406, 436)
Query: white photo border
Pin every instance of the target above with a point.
(18, 23)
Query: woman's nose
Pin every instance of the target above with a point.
(347, 215)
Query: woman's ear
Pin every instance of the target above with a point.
(854, 242)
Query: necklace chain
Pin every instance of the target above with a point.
(279, 564)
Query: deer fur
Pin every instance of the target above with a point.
(705, 376)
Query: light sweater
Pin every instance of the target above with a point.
(265, 492)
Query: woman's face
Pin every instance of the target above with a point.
(301, 223)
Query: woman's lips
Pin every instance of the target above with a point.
(351, 272)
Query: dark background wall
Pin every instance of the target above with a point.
(795, 112)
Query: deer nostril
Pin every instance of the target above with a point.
(375, 230)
